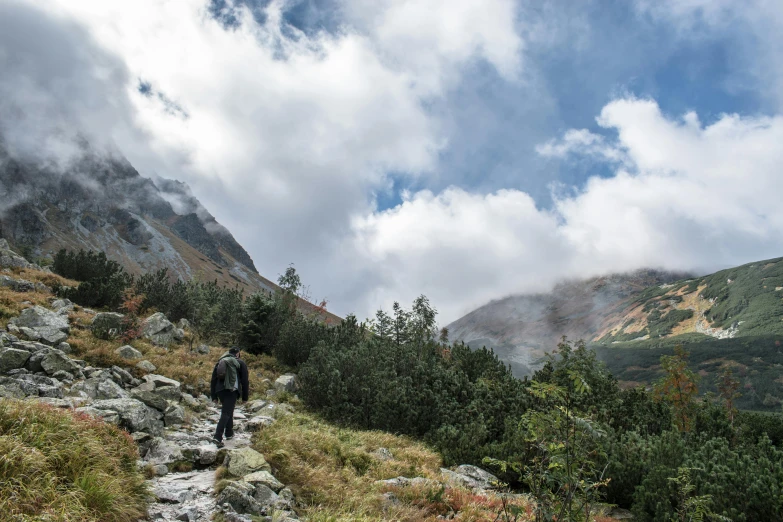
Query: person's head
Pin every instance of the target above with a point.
(234, 351)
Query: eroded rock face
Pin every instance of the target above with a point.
(160, 331)
(286, 383)
(10, 259)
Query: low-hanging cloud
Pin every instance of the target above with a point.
(685, 197)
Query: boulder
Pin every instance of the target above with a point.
(174, 415)
(39, 386)
(471, 477)
(39, 317)
(128, 352)
(264, 478)
(107, 325)
(121, 376)
(286, 383)
(202, 349)
(62, 306)
(63, 376)
(244, 461)
(17, 285)
(173, 493)
(64, 347)
(108, 389)
(183, 324)
(162, 451)
(160, 331)
(189, 514)
(239, 497)
(54, 360)
(12, 358)
(161, 382)
(6, 339)
(150, 398)
(10, 259)
(146, 366)
(108, 416)
(134, 415)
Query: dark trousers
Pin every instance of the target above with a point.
(228, 400)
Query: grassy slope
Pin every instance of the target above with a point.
(55, 465)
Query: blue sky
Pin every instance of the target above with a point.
(465, 149)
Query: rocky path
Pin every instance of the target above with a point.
(189, 495)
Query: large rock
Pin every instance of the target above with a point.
(12, 358)
(109, 416)
(30, 385)
(10, 259)
(265, 478)
(160, 331)
(161, 382)
(146, 366)
(107, 325)
(128, 352)
(244, 461)
(162, 451)
(286, 383)
(239, 497)
(38, 317)
(54, 361)
(150, 398)
(62, 306)
(174, 415)
(134, 415)
(471, 477)
(17, 285)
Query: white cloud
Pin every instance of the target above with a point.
(688, 197)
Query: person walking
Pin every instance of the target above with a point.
(229, 383)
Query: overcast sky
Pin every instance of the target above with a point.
(464, 149)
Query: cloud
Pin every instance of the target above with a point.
(686, 197)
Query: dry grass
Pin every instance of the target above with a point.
(333, 471)
(56, 465)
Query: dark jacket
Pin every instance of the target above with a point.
(217, 385)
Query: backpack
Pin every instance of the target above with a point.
(231, 372)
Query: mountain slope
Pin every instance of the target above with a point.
(100, 202)
(522, 328)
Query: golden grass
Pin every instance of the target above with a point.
(60, 466)
(333, 471)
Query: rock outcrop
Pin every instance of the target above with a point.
(160, 331)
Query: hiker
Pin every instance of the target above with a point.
(229, 383)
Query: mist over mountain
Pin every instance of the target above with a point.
(83, 197)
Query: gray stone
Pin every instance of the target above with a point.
(55, 360)
(50, 335)
(160, 470)
(107, 325)
(54, 402)
(190, 401)
(202, 349)
(108, 389)
(471, 477)
(189, 514)
(174, 415)
(254, 406)
(134, 415)
(63, 376)
(146, 366)
(258, 422)
(62, 306)
(240, 499)
(128, 352)
(150, 398)
(160, 331)
(244, 461)
(286, 383)
(10, 259)
(64, 347)
(38, 316)
(183, 324)
(207, 455)
(264, 478)
(109, 416)
(12, 359)
(173, 493)
(383, 454)
(161, 382)
(29, 334)
(121, 375)
(265, 496)
(162, 451)
(17, 285)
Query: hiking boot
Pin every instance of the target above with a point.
(229, 437)
(218, 443)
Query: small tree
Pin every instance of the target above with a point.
(728, 390)
(678, 387)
